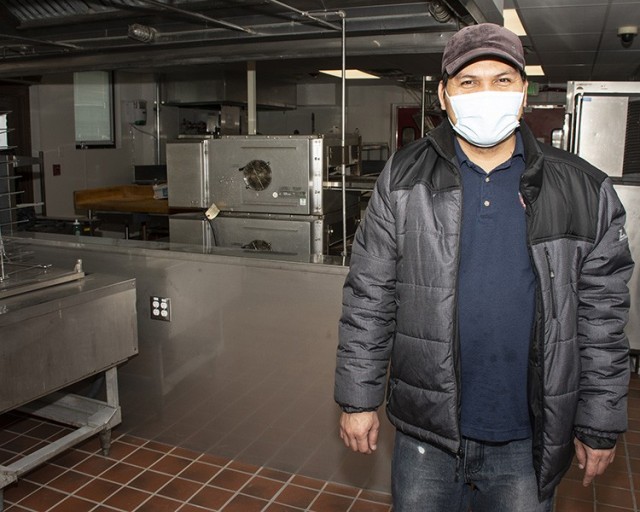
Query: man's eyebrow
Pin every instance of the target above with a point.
(501, 74)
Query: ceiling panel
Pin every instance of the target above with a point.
(569, 58)
(571, 38)
(402, 40)
(563, 20)
(604, 68)
(566, 42)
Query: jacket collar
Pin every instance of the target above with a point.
(442, 139)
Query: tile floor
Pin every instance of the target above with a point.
(148, 476)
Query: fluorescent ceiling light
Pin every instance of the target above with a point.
(349, 73)
(513, 23)
(534, 70)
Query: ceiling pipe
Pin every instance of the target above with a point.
(198, 16)
(41, 41)
(328, 24)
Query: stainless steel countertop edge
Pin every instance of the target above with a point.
(317, 264)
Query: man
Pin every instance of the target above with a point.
(489, 277)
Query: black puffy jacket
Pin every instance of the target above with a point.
(399, 302)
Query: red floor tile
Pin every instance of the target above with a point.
(126, 499)
(180, 489)
(296, 496)
(263, 488)
(213, 498)
(200, 472)
(331, 503)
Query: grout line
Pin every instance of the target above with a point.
(630, 473)
(354, 500)
(278, 493)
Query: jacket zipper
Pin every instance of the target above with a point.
(456, 344)
(552, 276)
(537, 339)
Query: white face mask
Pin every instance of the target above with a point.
(486, 118)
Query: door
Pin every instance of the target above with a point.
(407, 124)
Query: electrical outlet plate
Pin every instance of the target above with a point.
(160, 308)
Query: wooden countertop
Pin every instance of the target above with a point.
(124, 198)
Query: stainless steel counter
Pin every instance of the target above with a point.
(244, 368)
(46, 344)
(55, 336)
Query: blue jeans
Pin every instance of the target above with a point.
(489, 477)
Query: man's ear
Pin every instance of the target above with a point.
(443, 105)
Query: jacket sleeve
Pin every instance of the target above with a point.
(602, 316)
(367, 324)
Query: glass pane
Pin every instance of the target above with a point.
(408, 135)
(93, 106)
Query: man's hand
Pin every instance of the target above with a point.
(359, 431)
(594, 462)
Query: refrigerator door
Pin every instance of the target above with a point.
(630, 197)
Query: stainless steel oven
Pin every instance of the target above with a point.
(278, 174)
(188, 172)
(277, 233)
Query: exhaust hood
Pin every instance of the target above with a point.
(224, 88)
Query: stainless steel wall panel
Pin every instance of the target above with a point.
(190, 228)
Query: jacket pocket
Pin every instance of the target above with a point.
(390, 387)
(552, 291)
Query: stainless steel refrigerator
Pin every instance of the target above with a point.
(602, 125)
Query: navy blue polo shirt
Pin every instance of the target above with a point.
(496, 296)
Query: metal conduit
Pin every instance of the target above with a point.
(343, 130)
(422, 107)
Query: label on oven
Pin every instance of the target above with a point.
(295, 193)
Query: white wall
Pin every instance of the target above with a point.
(53, 133)
(369, 111)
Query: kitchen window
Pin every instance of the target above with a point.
(93, 109)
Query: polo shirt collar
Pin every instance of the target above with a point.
(463, 159)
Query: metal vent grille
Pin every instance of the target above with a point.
(37, 12)
(631, 163)
(30, 12)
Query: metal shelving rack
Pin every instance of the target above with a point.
(9, 195)
(12, 257)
